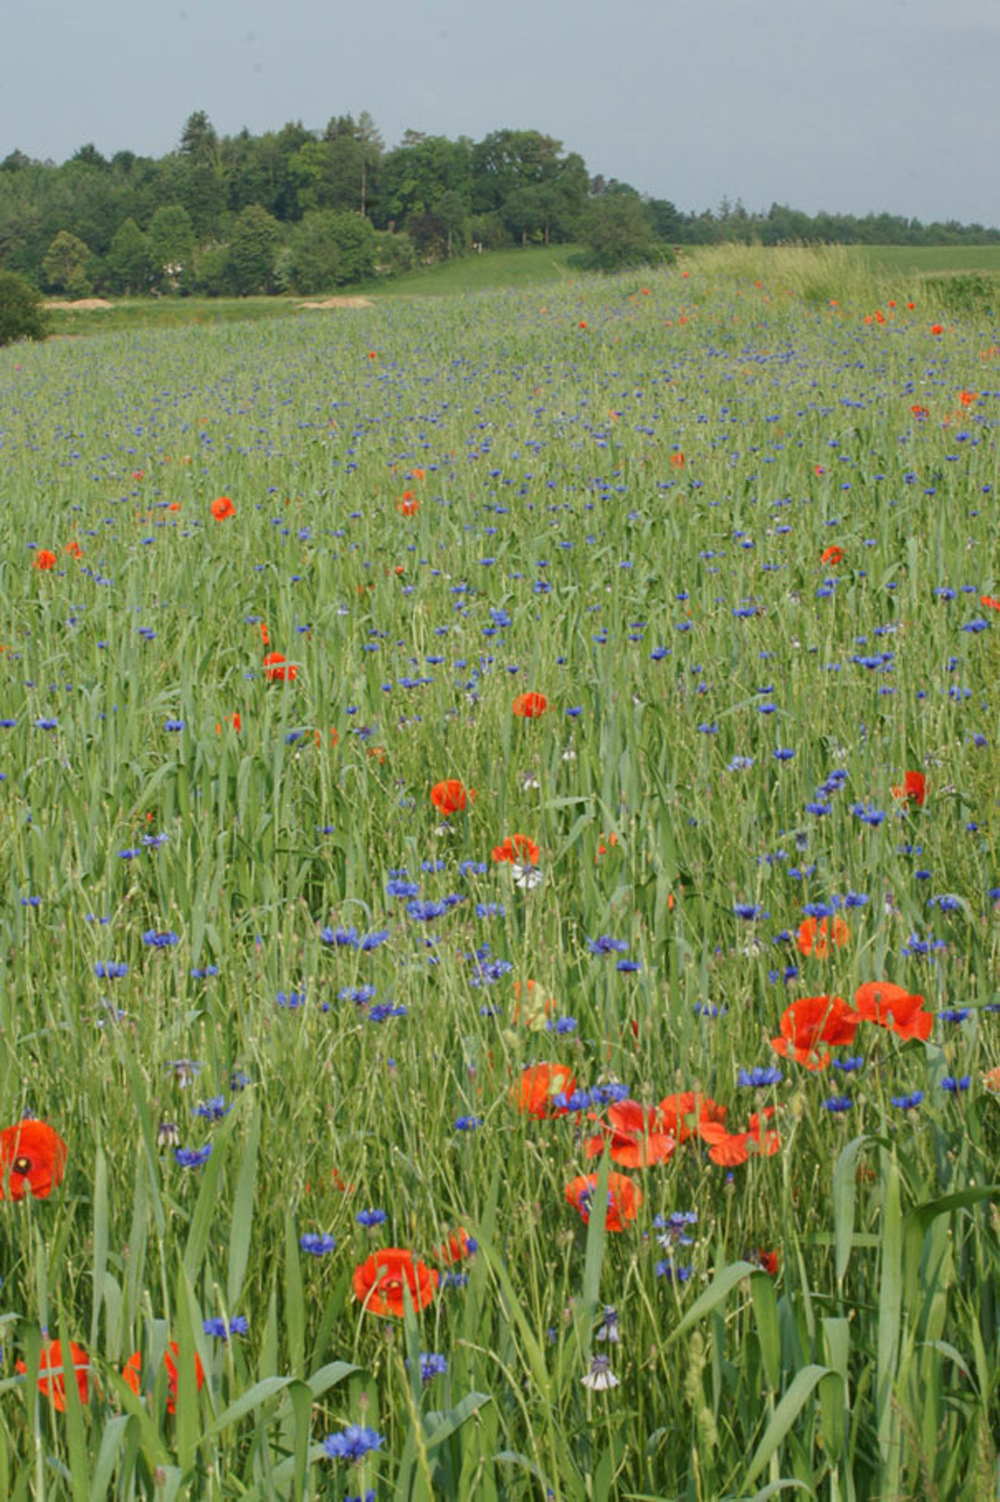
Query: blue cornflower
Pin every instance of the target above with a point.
(354, 1443)
(562, 1025)
(783, 753)
(342, 938)
(316, 1244)
(759, 1078)
(211, 1110)
(204, 973)
(954, 1014)
(579, 1100)
(675, 1227)
(31, 902)
(954, 1085)
(385, 1010)
(432, 1365)
(398, 888)
(740, 764)
(218, 1327)
(947, 902)
(292, 1000)
(174, 724)
(193, 1157)
(605, 944)
(373, 940)
(467, 1123)
(425, 912)
(360, 995)
(628, 967)
(160, 940)
(673, 1274)
(708, 1009)
(907, 1102)
(850, 1065)
(838, 1104)
(110, 969)
(370, 1218)
(46, 724)
(748, 911)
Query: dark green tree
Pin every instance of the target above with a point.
(170, 239)
(252, 249)
(21, 312)
(617, 233)
(64, 266)
(128, 260)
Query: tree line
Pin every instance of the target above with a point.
(299, 210)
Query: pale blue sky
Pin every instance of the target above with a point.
(851, 105)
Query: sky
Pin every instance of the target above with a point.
(853, 106)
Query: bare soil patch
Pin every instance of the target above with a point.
(81, 305)
(339, 302)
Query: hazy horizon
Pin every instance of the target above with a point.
(843, 109)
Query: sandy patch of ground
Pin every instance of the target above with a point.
(82, 304)
(339, 302)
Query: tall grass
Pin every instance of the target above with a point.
(625, 490)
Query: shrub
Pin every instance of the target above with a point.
(21, 312)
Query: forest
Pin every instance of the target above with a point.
(301, 210)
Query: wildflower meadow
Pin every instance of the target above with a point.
(500, 896)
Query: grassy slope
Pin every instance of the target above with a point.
(499, 268)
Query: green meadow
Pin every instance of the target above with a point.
(501, 896)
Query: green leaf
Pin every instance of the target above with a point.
(845, 1176)
(718, 1290)
(455, 1418)
(785, 1414)
(242, 1225)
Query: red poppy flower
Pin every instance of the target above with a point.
(937, 328)
(230, 719)
(538, 1084)
(379, 1282)
(54, 1386)
(530, 706)
(812, 1021)
(686, 1112)
(223, 508)
(457, 1248)
(677, 460)
(451, 797)
(967, 397)
(44, 560)
(919, 411)
(767, 1261)
(817, 938)
(624, 1199)
(73, 548)
(409, 505)
(729, 1149)
(990, 602)
(632, 1136)
(276, 668)
(133, 1373)
(913, 789)
(517, 847)
(832, 555)
(32, 1160)
(888, 1005)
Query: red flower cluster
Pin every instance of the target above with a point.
(32, 1160)
(529, 706)
(450, 797)
(517, 847)
(814, 1025)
